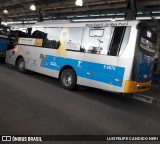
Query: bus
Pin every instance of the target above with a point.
(4, 36)
(156, 71)
(113, 56)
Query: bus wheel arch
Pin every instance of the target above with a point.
(20, 64)
(19, 57)
(68, 77)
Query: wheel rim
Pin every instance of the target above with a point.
(21, 65)
(67, 80)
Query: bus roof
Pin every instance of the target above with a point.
(87, 24)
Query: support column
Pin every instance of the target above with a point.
(40, 16)
(131, 10)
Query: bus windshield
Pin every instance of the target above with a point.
(148, 39)
(4, 31)
(145, 54)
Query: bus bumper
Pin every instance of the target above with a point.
(133, 86)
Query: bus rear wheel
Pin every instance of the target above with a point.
(21, 65)
(68, 79)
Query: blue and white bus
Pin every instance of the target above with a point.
(113, 56)
(4, 36)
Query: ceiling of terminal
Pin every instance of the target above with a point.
(66, 9)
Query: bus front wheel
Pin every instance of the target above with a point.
(68, 79)
(21, 65)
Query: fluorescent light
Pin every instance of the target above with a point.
(113, 19)
(4, 23)
(143, 18)
(5, 11)
(33, 7)
(79, 2)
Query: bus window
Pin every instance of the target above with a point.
(36, 32)
(39, 33)
(148, 39)
(38, 28)
(53, 38)
(116, 41)
(74, 39)
(93, 43)
(125, 40)
(96, 32)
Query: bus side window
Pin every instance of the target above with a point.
(96, 40)
(96, 32)
(74, 39)
(125, 40)
(116, 41)
(52, 40)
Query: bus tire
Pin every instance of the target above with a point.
(68, 79)
(21, 65)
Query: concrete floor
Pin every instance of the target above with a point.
(35, 104)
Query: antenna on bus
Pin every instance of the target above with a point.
(131, 10)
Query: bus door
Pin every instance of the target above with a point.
(98, 66)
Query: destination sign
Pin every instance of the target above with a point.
(107, 24)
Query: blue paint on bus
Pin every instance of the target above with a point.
(3, 45)
(94, 71)
(145, 67)
(4, 33)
